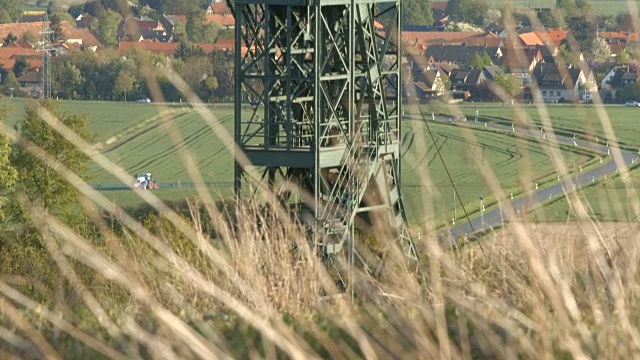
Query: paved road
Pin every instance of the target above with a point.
(498, 216)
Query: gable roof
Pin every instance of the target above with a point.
(33, 76)
(530, 39)
(219, 8)
(458, 53)
(169, 49)
(436, 37)
(84, 36)
(223, 20)
(549, 75)
(9, 55)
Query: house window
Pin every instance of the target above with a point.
(558, 93)
(544, 92)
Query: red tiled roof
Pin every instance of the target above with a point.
(229, 43)
(71, 33)
(530, 39)
(9, 55)
(426, 36)
(31, 77)
(553, 36)
(220, 8)
(224, 20)
(169, 49)
(612, 35)
(617, 47)
(439, 6)
(632, 37)
(163, 48)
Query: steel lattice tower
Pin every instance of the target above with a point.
(46, 50)
(317, 106)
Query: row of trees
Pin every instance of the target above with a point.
(108, 75)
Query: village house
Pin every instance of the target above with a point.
(428, 83)
(566, 84)
(460, 54)
(521, 61)
(75, 38)
(618, 78)
(31, 83)
(143, 28)
(218, 7)
(10, 54)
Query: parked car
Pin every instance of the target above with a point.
(632, 103)
(144, 100)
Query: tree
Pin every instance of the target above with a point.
(551, 19)
(212, 84)
(568, 7)
(417, 12)
(622, 58)
(13, 9)
(11, 83)
(584, 6)
(5, 18)
(629, 93)
(479, 61)
(55, 24)
(10, 38)
(8, 174)
(56, 27)
(108, 23)
(179, 31)
(124, 83)
(583, 30)
(39, 181)
(30, 37)
(21, 66)
(66, 78)
(509, 84)
(198, 31)
(462, 27)
(472, 11)
(600, 50)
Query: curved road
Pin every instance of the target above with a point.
(498, 216)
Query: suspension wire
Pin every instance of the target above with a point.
(446, 169)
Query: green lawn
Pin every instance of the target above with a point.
(149, 148)
(568, 119)
(606, 200)
(506, 157)
(106, 118)
(600, 7)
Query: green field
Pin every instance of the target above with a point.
(600, 7)
(139, 142)
(149, 148)
(606, 200)
(567, 119)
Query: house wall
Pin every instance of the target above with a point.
(559, 94)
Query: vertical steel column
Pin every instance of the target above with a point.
(324, 83)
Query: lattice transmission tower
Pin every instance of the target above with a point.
(318, 110)
(46, 50)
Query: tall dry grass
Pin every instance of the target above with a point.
(191, 284)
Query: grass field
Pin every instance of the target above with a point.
(600, 7)
(567, 119)
(133, 138)
(197, 286)
(607, 200)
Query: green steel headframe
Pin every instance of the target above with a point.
(318, 114)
